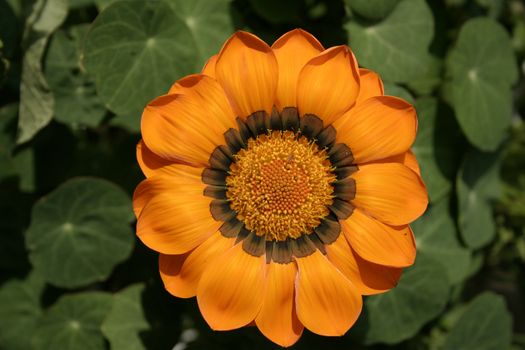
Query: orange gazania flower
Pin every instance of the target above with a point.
(280, 185)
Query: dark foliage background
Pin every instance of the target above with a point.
(74, 77)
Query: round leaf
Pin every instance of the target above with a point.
(477, 184)
(73, 323)
(126, 320)
(209, 22)
(397, 48)
(484, 325)
(399, 314)
(79, 232)
(436, 147)
(135, 50)
(437, 237)
(19, 311)
(76, 101)
(482, 69)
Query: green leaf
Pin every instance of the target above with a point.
(135, 50)
(396, 90)
(482, 68)
(209, 22)
(436, 147)
(19, 311)
(372, 9)
(396, 48)
(484, 325)
(437, 237)
(126, 320)
(36, 100)
(73, 323)
(477, 184)
(400, 313)
(76, 102)
(80, 231)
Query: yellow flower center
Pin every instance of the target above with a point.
(280, 185)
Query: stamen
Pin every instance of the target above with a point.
(280, 185)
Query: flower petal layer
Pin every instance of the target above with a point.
(231, 289)
(188, 126)
(175, 217)
(379, 243)
(379, 127)
(327, 302)
(390, 192)
(292, 51)
(181, 273)
(369, 278)
(371, 85)
(407, 158)
(164, 179)
(247, 70)
(152, 164)
(328, 84)
(209, 66)
(277, 319)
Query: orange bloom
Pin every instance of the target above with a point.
(280, 185)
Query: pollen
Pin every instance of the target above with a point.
(280, 185)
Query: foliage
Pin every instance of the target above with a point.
(74, 77)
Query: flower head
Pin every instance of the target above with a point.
(280, 185)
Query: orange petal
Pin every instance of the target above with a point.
(277, 319)
(292, 51)
(247, 70)
(181, 273)
(231, 289)
(152, 164)
(188, 126)
(328, 84)
(379, 243)
(369, 278)
(179, 175)
(371, 85)
(175, 218)
(407, 158)
(209, 67)
(390, 192)
(377, 128)
(327, 302)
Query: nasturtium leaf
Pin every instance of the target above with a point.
(436, 147)
(36, 100)
(209, 22)
(484, 325)
(372, 9)
(399, 314)
(19, 311)
(80, 231)
(135, 50)
(76, 102)
(126, 320)
(397, 47)
(73, 323)
(481, 69)
(477, 184)
(392, 89)
(437, 237)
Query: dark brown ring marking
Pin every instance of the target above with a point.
(221, 159)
